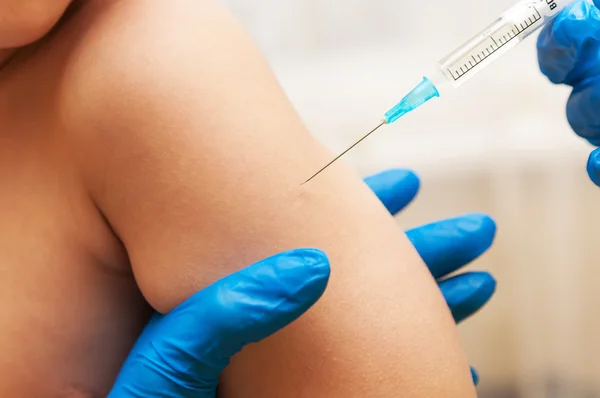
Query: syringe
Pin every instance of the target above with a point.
(511, 28)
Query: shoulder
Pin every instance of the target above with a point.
(146, 82)
(131, 57)
(139, 71)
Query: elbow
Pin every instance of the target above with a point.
(26, 21)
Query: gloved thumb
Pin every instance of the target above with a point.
(183, 352)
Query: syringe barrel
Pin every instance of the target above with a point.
(512, 27)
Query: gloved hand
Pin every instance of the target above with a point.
(182, 353)
(569, 53)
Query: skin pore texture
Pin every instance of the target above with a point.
(157, 145)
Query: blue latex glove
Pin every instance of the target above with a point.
(182, 353)
(569, 53)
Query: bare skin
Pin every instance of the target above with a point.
(120, 153)
(72, 309)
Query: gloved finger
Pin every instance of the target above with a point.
(467, 293)
(567, 47)
(593, 166)
(184, 351)
(583, 109)
(396, 188)
(447, 245)
(475, 376)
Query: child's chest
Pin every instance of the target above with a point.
(70, 308)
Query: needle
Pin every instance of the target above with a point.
(343, 153)
(419, 95)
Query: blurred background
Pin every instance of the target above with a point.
(501, 145)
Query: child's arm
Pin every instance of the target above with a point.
(194, 156)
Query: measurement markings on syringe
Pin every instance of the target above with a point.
(495, 42)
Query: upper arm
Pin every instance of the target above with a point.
(195, 157)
